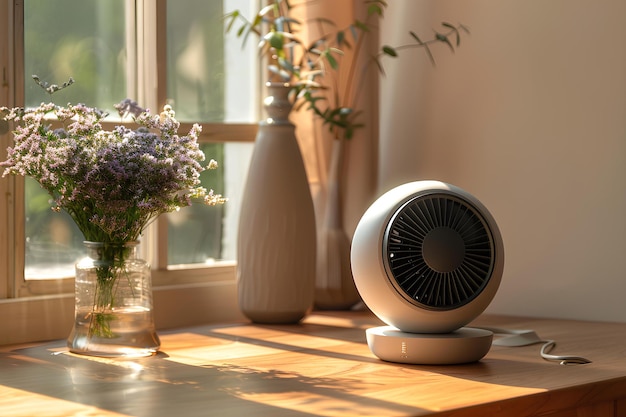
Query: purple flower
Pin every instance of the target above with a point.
(112, 183)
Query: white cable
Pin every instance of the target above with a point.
(562, 359)
(515, 338)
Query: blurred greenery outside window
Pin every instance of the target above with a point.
(206, 83)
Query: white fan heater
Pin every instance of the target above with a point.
(427, 258)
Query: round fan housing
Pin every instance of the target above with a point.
(427, 257)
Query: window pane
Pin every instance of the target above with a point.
(53, 242)
(201, 234)
(211, 79)
(84, 40)
(195, 59)
(195, 232)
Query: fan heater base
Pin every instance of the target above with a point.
(463, 345)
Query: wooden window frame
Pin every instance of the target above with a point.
(35, 310)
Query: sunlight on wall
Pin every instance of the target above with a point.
(529, 116)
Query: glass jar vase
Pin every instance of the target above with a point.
(113, 306)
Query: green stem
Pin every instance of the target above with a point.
(109, 269)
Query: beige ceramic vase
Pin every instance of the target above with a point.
(334, 286)
(276, 250)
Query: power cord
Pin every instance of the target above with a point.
(514, 338)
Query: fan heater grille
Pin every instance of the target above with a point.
(438, 251)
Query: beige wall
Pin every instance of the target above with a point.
(529, 115)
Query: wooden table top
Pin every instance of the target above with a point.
(321, 367)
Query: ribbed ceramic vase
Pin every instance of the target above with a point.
(276, 248)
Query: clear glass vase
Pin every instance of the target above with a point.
(113, 306)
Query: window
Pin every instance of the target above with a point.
(209, 79)
(155, 52)
(91, 49)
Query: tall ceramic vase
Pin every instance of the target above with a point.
(334, 286)
(276, 251)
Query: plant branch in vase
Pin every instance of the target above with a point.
(329, 83)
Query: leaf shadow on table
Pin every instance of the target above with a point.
(158, 386)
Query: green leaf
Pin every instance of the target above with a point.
(374, 9)
(443, 38)
(283, 21)
(315, 51)
(266, 10)
(455, 30)
(388, 50)
(341, 37)
(379, 64)
(285, 76)
(426, 48)
(430, 54)
(284, 63)
(417, 39)
(276, 40)
(230, 19)
(345, 44)
(361, 26)
(331, 60)
(354, 32)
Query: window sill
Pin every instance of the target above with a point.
(51, 317)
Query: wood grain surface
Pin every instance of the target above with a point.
(321, 367)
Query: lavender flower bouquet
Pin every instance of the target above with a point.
(112, 183)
